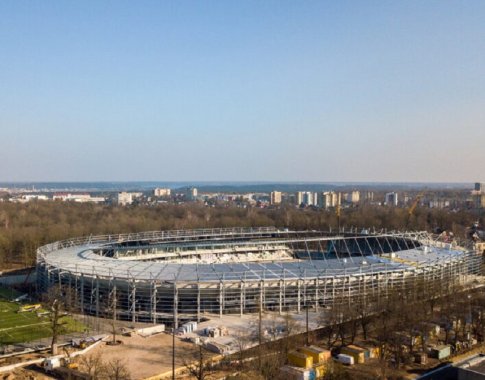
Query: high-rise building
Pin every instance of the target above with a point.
(327, 199)
(367, 196)
(478, 195)
(353, 197)
(391, 199)
(191, 193)
(306, 198)
(479, 199)
(482, 201)
(320, 200)
(299, 198)
(275, 197)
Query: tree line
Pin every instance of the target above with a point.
(25, 227)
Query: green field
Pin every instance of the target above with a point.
(18, 327)
(8, 293)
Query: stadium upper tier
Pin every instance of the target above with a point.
(243, 255)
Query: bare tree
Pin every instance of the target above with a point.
(271, 355)
(111, 312)
(94, 366)
(478, 320)
(55, 303)
(291, 328)
(365, 308)
(271, 363)
(117, 370)
(242, 341)
(201, 368)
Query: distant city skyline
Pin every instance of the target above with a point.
(273, 91)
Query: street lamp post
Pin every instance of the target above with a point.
(173, 332)
(307, 336)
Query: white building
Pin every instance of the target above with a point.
(125, 198)
(299, 198)
(352, 197)
(275, 197)
(161, 192)
(308, 198)
(79, 198)
(30, 197)
(328, 199)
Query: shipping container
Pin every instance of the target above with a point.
(300, 359)
(296, 373)
(375, 352)
(370, 351)
(359, 349)
(440, 352)
(319, 370)
(345, 359)
(318, 354)
(356, 353)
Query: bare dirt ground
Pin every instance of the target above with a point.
(27, 374)
(145, 357)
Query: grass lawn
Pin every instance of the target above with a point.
(18, 327)
(8, 293)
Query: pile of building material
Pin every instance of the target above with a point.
(194, 339)
(218, 348)
(86, 341)
(149, 331)
(215, 332)
(187, 328)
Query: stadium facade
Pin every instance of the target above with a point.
(187, 274)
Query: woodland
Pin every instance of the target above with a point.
(25, 227)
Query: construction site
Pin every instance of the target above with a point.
(161, 295)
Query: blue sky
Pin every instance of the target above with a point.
(246, 91)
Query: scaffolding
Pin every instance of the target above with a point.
(148, 278)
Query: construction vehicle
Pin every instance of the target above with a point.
(415, 204)
(413, 207)
(58, 361)
(63, 367)
(52, 363)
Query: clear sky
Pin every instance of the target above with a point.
(242, 90)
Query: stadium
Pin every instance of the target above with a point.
(190, 274)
